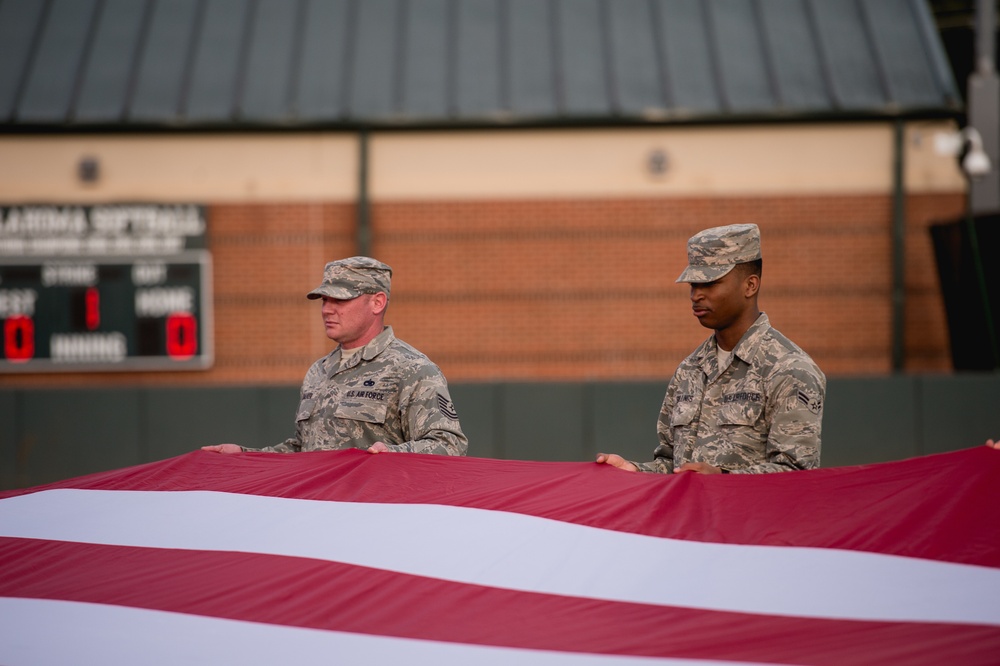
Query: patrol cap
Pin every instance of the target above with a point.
(349, 278)
(714, 252)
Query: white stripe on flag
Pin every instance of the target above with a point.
(520, 552)
(37, 632)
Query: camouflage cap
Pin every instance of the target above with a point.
(349, 278)
(714, 252)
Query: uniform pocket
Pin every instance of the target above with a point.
(368, 411)
(741, 410)
(685, 411)
(305, 410)
(367, 399)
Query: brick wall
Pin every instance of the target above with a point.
(585, 289)
(562, 290)
(266, 259)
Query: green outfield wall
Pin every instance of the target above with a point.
(52, 434)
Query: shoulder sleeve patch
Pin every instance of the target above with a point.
(447, 407)
(811, 401)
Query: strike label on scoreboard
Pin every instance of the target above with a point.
(106, 313)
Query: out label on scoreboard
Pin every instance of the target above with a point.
(74, 314)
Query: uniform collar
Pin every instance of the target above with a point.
(745, 349)
(378, 344)
(375, 346)
(748, 345)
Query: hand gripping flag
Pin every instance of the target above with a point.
(343, 557)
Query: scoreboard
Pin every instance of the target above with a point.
(147, 308)
(105, 314)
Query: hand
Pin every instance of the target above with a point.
(224, 448)
(378, 447)
(993, 444)
(616, 460)
(698, 468)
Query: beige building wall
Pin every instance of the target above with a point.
(515, 164)
(180, 168)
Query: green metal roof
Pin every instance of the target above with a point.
(215, 64)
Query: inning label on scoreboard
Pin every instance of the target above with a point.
(147, 308)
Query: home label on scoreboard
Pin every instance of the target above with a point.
(86, 289)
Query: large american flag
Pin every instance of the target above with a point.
(351, 558)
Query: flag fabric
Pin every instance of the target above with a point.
(343, 557)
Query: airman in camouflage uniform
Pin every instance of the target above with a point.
(753, 408)
(373, 391)
(388, 392)
(761, 414)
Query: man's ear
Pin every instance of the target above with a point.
(379, 302)
(751, 285)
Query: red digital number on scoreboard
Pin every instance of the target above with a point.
(182, 336)
(92, 308)
(19, 339)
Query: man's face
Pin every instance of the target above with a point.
(718, 304)
(349, 321)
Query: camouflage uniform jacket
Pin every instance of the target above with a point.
(387, 392)
(761, 414)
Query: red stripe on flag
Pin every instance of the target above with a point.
(939, 507)
(332, 596)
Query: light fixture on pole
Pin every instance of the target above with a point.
(976, 162)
